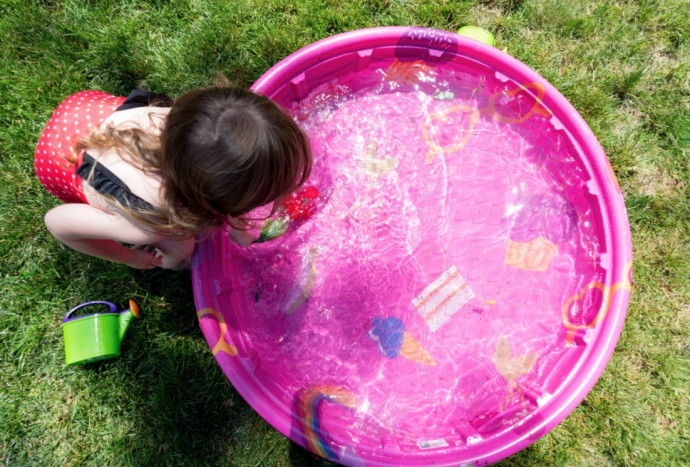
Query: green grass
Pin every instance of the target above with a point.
(624, 65)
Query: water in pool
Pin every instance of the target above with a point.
(429, 301)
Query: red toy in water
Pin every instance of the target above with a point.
(300, 206)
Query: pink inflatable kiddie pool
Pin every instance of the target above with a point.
(464, 275)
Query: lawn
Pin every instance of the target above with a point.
(624, 65)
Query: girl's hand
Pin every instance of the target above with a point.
(145, 257)
(241, 237)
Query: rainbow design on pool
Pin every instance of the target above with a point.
(308, 412)
(464, 278)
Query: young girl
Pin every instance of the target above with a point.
(142, 176)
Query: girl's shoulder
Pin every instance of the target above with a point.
(142, 118)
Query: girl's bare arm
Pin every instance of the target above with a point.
(98, 233)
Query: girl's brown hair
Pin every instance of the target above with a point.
(226, 151)
(221, 153)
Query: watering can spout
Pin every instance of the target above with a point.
(126, 317)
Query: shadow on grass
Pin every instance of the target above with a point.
(300, 457)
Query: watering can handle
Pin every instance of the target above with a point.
(113, 308)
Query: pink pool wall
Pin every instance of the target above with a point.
(328, 333)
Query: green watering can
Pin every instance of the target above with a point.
(98, 336)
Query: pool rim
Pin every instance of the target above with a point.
(613, 215)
